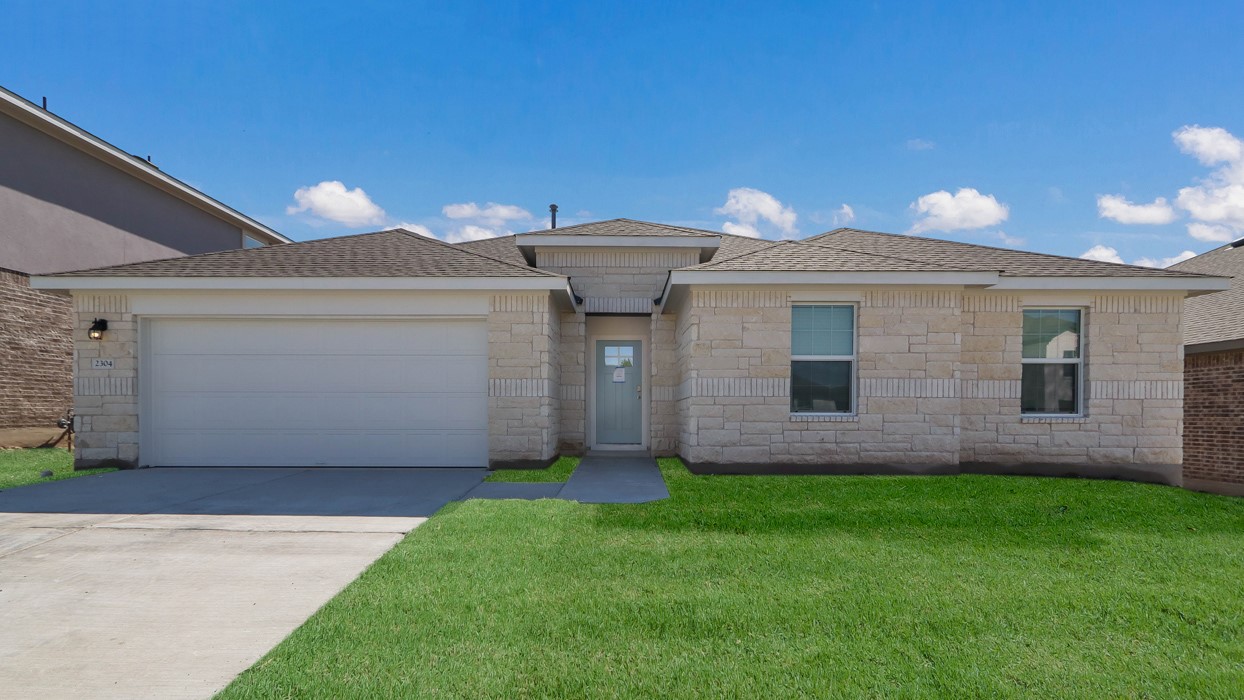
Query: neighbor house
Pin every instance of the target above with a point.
(68, 201)
(1214, 377)
(847, 351)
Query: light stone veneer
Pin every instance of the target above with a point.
(524, 420)
(938, 381)
(105, 400)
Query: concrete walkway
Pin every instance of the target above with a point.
(167, 583)
(621, 477)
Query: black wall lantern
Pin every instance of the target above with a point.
(96, 332)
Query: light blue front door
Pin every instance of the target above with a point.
(619, 393)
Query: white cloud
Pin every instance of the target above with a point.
(844, 215)
(920, 145)
(1009, 240)
(1102, 253)
(965, 209)
(1210, 145)
(470, 232)
(751, 206)
(1219, 198)
(1116, 207)
(1211, 233)
(1165, 262)
(330, 200)
(491, 214)
(417, 228)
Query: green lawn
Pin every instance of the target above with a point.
(557, 472)
(768, 587)
(21, 467)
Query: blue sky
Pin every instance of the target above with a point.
(998, 123)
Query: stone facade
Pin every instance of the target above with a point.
(523, 378)
(1214, 417)
(573, 354)
(105, 400)
(938, 381)
(36, 354)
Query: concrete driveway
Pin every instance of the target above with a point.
(169, 582)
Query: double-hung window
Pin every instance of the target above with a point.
(822, 362)
(1053, 359)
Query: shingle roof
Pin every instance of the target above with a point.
(624, 227)
(969, 256)
(502, 248)
(804, 256)
(392, 253)
(1217, 317)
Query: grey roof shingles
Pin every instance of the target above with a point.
(392, 253)
(970, 256)
(800, 256)
(1217, 317)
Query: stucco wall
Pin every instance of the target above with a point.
(36, 354)
(938, 381)
(65, 210)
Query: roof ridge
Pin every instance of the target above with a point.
(819, 236)
(715, 261)
(809, 241)
(451, 246)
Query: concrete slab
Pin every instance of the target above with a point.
(169, 582)
(157, 613)
(521, 491)
(616, 478)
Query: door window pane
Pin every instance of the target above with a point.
(619, 356)
(1050, 388)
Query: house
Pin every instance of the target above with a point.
(1214, 377)
(69, 200)
(847, 351)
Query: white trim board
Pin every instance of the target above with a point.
(124, 284)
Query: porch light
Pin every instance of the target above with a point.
(96, 331)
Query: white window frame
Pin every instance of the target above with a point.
(853, 358)
(1080, 360)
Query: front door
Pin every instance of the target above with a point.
(619, 392)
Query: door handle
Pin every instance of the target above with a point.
(639, 391)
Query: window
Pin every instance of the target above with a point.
(1053, 371)
(822, 354)
(248, 242)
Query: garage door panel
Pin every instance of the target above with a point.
(319, 337)
(285, 393)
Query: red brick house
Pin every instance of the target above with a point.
(1214, 377)
(69, 200)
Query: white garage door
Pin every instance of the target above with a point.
(276, 392)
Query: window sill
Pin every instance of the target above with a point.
(1053, 418)
(824, 418)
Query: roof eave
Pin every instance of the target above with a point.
(1193, 286)
(736, 277)
(553, 240)
(118, 284)
(62, 130)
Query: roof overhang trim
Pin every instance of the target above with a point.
(120, 284)
(531, 240)
(1194, 285)
(732, 277)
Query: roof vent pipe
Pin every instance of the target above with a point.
(553, 215)
(45, 103)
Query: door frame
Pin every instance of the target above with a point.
(630, 328)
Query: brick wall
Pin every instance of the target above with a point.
(36, 354)
(1214, 416)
